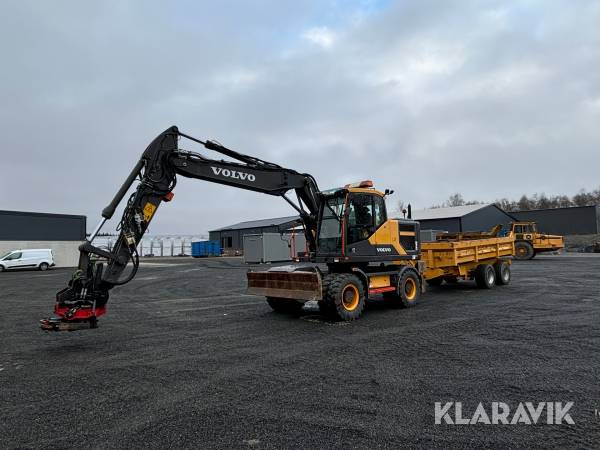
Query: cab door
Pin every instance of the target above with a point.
(365, 217)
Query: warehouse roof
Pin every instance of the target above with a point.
(275, 222)
(447, 213)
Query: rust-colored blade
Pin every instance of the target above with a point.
(297, 285)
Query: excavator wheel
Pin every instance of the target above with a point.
(343, 297)
(503, 274)
(285, 305)
(409, 290)
(524, 250)
(324, 305)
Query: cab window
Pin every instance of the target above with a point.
(330, 228)
(13, 256)
(366, 213)
(379, 208)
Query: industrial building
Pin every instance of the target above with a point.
(232, 236)
(564, 221)
(27, 230)
(463, 218)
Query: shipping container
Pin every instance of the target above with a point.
(206, 248)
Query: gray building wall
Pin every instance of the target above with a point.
(60, 232)
(452, 225)
(25, 226)
(486, 218)
(564, 221)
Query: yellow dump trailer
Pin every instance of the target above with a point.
(487, 260)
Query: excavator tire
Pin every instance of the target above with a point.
(343, 297)
(409, 291)
(285, 305)
(323, 303)
(523, 250)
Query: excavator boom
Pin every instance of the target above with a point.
(84, 300)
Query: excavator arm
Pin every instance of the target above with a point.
(83, 301)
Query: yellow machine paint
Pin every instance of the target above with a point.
(388, 234)
(149, 210)
(379, 281)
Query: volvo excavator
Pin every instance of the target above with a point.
(347, 231)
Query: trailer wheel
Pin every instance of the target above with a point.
(502, 269)
(485, 276)
(409, 290)
(524, 250)
(285, 305)
(343, 297)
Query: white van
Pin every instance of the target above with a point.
(40, 258)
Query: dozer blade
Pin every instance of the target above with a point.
(299, 285)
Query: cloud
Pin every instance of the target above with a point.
(490, 98)
(320, 36)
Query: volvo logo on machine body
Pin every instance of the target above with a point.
(236, 175)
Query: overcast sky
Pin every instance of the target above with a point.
(488, 98)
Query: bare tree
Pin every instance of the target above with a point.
(455, 200)
(400, 206)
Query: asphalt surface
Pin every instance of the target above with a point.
(186, 359)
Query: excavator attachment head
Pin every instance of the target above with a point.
(286, 282)
(78, 316)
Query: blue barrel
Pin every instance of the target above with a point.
(206, 248)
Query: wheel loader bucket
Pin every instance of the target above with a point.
(299, 285)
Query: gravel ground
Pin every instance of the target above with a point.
(186, 359)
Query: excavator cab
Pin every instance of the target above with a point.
(354, 227)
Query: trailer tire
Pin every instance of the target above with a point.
(343, 297)
(285, 305)
(408, 292)
(523, 250)
(502, 269)
(485, 276)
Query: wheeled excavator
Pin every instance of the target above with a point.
(347, 231)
